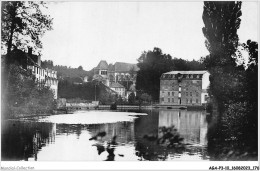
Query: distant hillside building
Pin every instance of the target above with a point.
(101, 68)
(184, 88)
(120, 71)
(100, 72)
(118, 88)
(46, 76)
(113, 73)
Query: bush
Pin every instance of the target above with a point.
(131, 98)
(23, 96)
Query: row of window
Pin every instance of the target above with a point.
(43, 72)
(187, 93)
(103, 72)
(52, 82)
(173, 83)
(39, 71)
(169, 100)
(182, 76)
(119, 89)
(190, 101)
(172, 100)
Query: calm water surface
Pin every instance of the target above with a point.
(108, 135)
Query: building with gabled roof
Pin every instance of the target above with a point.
(101, 68)
(120, 89)
(113, 73)
(102, 65)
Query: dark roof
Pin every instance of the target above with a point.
(116, 85)
(186, 72)
(35, 59)
(125, 67)
(102, 65)
(111, 67)
(117, 67)
(22, 58)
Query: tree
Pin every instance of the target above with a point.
(221, 21)
(131, 98)
(111, 78)
(152, 65)
(234, 89)
(146, 97)
(251, 77)
(252, 48)
(23, 24)
(80, 68)
(24, 96)
(47, 64)
(132, 73)
(64, 71)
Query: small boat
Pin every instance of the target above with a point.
(183, 107)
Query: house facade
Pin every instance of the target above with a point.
(43, 76)
(47, 77)
(184, 88)
(119, 89)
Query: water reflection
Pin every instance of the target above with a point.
(23, 140)
(160, 135)
(110, 149)
(123, 130)
(172, 135)
(192, 125)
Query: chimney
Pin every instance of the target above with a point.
(29, 51)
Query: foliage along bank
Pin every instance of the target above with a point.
(23, 24)
(23, 96)
(233, 84)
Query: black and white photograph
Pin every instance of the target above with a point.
(175, 82)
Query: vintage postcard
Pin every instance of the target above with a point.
(86, 82)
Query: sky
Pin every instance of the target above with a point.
(86, 32)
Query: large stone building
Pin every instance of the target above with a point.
(115, 73)
(184, 88)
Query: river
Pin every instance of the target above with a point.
(100, 135)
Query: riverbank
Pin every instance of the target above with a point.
(71, 110)
(20, 116)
